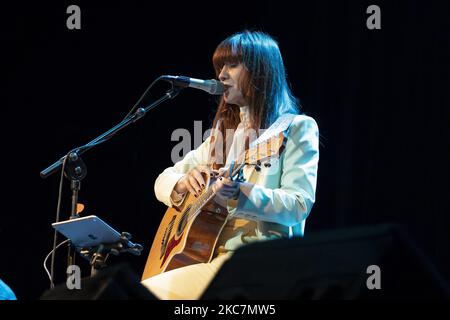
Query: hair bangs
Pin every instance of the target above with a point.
(227, 51)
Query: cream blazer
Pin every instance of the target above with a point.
(273, 202)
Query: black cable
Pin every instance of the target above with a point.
(55, 236)
(45, 260)
(142, 97)
(125, 118)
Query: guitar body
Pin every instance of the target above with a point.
(181, 241)
(188, 234)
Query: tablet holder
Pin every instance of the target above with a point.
(98, 255)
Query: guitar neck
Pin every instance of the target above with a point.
(202, 200)
(264, 150)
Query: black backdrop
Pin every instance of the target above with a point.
(381, 99)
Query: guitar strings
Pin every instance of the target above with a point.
(205, 197)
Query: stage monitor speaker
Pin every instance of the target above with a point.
(117, 282)
(330, 265)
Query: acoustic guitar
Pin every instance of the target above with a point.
(188, 233)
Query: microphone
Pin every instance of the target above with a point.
(211, 86)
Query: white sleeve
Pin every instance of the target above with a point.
(292, 201)
(166, 181)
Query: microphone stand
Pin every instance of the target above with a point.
(75, 170)
(74, 167)
(108, 134)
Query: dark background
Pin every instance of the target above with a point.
(381, 99)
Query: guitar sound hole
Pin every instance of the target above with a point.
(164, 243)
(165, 238)
(183, 220)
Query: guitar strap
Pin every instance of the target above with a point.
(281, 124)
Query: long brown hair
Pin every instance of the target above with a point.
(264, 87)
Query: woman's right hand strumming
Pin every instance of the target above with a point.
(193, 181)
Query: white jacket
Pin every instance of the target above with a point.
(277, 199)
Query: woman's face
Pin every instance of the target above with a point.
(230, 76)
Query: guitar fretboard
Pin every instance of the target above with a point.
(202, 200)
(198, 204)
